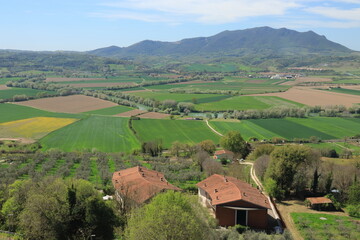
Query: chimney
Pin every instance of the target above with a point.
(205, 185)
(244, 194)
(119, 173)
(161, 179)
(143, 174)
(215, 190)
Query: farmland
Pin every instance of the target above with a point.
(245, 103)
(18, 112)
(290, 128)
(107, 134)
(69, 104)
(169, 131)
(111, 110)
(345, 90)
(179, 97)
(33, 128)
(11, 92)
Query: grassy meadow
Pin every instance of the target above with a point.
(111, 110)
(325, 226)
(106, 134)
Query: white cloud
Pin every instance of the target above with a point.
(209, 11)
(336, 13)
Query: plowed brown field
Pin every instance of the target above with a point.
(313, 97)
(131, 113)
(306, 79)
(69, 104)
(154, 115)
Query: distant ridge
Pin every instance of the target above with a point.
(261, 40)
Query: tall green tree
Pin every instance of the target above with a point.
(234, 142)
(284, 165)
(171, 215)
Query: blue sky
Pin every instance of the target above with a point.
(89, 24)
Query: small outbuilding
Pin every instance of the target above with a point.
(320, 203)
(139, 184)
(224, 154)
(234, 202)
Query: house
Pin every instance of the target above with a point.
(320, 203)
(224, 154)
(234, 202)
(139, 185)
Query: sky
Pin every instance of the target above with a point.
(82, 25)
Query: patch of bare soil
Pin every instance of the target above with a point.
(130, 113)
(313, 97)
(3, 87)
(306, 80)
(104, 84)
(64, 79)
(68, 104)
(154, 115)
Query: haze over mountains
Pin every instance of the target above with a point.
(264, 40)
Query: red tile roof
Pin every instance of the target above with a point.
(218, 152)
(224, 189)
(140, 184)
(318, 200)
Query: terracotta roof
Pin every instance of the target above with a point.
(318, 200)
(218, 152)
(140, 184)
(224, 189)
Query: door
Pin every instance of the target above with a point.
(241, 217)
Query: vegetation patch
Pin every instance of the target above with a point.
(34, 128)
(106, 134)
(10, 93)
(326, 226)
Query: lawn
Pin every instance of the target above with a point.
(245, 103)
(169, 131)
(326, 226)
(10, 93)
(111, 110)
(106, 134)
(11, 112)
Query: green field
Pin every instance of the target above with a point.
(290, 128)
(9, 93)
(111, 110)
(107, 134)
(11, 112)
(344, 90)
(169, 131)
(5, 80)
(180, 97)
(245, 103)
(329, 227)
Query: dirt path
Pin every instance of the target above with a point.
(212, 129)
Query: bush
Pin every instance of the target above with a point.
(354, 210)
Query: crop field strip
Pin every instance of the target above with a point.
(111, 110)
(290, 128)
(69, 104)
(169, 131)
(34, 128)
(11, 92)
(107, 134)
(245, 103)
(345, 90)
(17, 112)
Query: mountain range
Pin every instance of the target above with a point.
(261, 40)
